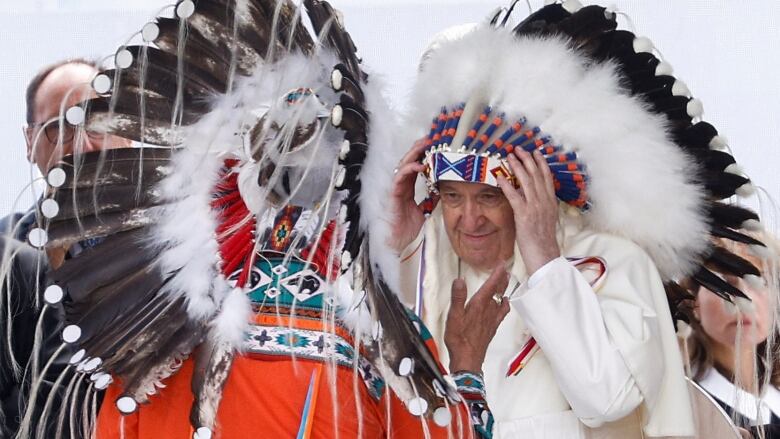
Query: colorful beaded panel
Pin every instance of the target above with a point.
(312, 345)
(472, 388)
(481, 157)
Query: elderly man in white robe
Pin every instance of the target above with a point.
(529, 172)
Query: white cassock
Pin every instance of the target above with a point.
(608, 364)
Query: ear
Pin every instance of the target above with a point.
(28, 137)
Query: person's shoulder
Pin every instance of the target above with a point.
(7, 222)
(17, 224)
(616, 250)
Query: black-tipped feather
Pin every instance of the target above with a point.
(724, 232)
(587, 24)
(124, 120)
(324, 19)
(110, 167)
(714, 283)
(723, 184)
(724, 262)
(540, 21)
(717, 160)
(400, 339)
(65, 233)
(730, 215)
(117, 256)
(213, 362)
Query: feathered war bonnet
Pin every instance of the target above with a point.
(623, 137)
(261, 117)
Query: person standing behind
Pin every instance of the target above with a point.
(50, 93)
(53, 90)
(732, 350)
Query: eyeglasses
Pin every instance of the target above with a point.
(53, 127)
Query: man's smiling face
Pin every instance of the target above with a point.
(479, 222)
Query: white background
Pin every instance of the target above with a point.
(727, 51)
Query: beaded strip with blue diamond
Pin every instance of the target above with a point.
(471, 387)
(312, 345)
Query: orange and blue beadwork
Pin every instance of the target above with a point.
(490, 137)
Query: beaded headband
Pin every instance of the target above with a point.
(482, 154)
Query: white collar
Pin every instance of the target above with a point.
(743, 402)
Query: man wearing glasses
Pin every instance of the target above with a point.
(49, 137)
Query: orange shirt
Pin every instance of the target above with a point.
(267, 398)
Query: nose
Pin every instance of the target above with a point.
(90, 141)
(472, 218)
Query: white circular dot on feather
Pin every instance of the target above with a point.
(94, 377)
(341, 177)
(643, 44)
(746, 190)
(336, 79)
(734, 169)
(405, 367)
(77, 357)
(103, 381)
(680, 88)
(663, 68)
(75, 115)
(203, 433)
(38, 237)
(442, 416)
(438, 389)
(101, 84)
(80, 367)
(53, 294)
(345, 148)
(346, 259)
(56, 177)
(185, 9)
(50, 208)
(695, 108)
(126, 405)
(683, 329)
(572, 6)
(719, 143)
(150, 32)
(755, 282)
(71, 334)
(376, 331)
(123, 59)
(752, 225)
(92, 364)
(745, 306)
(417, 406)
(761, 251)
(343, 214)
(336, 115)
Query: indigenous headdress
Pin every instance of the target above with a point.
(625, 139)
(471, 146)
(243, 199)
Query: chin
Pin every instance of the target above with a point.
(480, 263)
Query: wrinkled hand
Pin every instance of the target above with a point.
(408, 217)
(535, 208)
(471, 326)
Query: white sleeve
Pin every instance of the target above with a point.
(576, 329)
